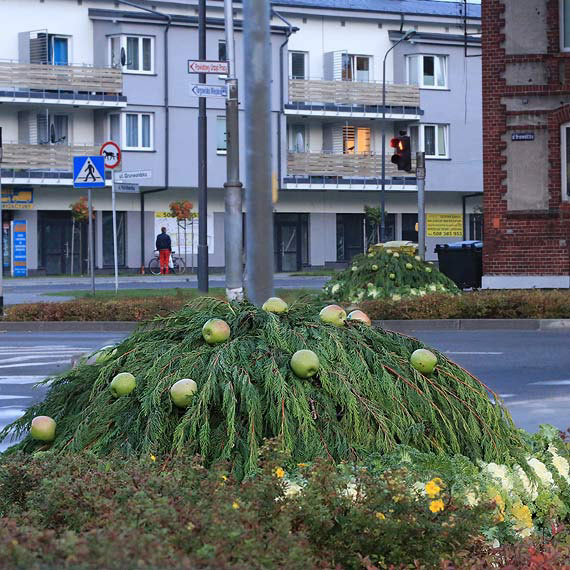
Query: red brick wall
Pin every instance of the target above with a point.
(522, 243)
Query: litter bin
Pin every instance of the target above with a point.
(462, 262)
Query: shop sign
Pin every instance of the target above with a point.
(21, 199)
(444, 225)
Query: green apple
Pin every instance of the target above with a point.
(354, 268)
(215, 331)
(370, 255)
(333, 314)
(392, 276)
(105, 354)
(305, 363)
(275, 305)
(409, 266)
(43, 428)
(417, 258)
(182, 391)
(428, 269)
(374, 268)
(396, 254)
(123, 384)
(423, 360)
(359, 315)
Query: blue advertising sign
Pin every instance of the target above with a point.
(19, 249)
(89, 172)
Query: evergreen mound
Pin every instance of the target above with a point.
(386, 273)
(366, 397)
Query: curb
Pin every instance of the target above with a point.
(394, 325)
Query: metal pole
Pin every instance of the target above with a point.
(202, 161)
(259, 228)
(1, 236)
(383, 196)
(72, 245)
(90, 241)
(233, 233)
(421, 178)
(115, 255)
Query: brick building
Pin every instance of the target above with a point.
(526, 143)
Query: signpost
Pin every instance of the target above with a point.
(89, 172)
(126, 188)
(111, 154)
(208, 66)
(202, 90)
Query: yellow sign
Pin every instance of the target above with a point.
(444, 225)
(13, 199)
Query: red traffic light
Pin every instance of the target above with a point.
(395, 143)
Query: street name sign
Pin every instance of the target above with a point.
(127, 188)
(88, 172)
(522, 136)
(203, 90)
(133, 176)
(207, 66)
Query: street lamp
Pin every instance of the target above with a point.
(406, 37)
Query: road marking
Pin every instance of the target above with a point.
(11, 380)
(11, 397)
(507, 396)
(552, 383)
(475, 353)
(28, 364)
(7, 412)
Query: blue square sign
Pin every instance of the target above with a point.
(88, 172)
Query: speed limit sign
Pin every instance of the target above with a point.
(111, 153)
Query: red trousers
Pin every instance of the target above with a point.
(164, 258)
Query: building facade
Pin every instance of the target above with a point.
(526, 118)
(108, 71)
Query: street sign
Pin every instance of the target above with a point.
(207, 66)
(203, 90)
(127, 188)
(19, 249)
(111, 152)
(88, 172)
(133, 176)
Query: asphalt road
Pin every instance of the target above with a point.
(31, 290)
(529, 369)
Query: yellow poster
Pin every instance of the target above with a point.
(444, 225)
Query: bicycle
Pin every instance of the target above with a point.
(178, 266)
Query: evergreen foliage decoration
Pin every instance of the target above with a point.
(365, 398)
(386, 273)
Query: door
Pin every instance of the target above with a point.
(291, 242)
(58, 50)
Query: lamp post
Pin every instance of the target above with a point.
(407, 36)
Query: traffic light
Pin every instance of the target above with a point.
(403, 157)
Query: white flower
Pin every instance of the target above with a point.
(335, 288)
(351, 491)
(560, 463)
(396, 297)
(525, 532)
(471, 499)
(496, 544)
(422, 293)
(530, 488)
(432, 288)
(420, 488)
(354, 268)
(413, 292)
(292, 489)
(541, 471)
(500, 473)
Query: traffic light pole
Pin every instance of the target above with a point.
(421, 178)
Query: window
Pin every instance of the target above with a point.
(133, 54)
(298, 64)
(432, 139)
(222, 54)
(221, 135)
(427, 71)
(298, 138)
(355, 67)
(108, 256)
(355, 140)
(132, 131)
(565, 148)
(565, 25)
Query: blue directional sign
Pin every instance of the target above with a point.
(88, 172)
(203, 90)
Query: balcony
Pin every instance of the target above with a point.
(318, 170)
(71, 85)
(41, 163)
(326, 98)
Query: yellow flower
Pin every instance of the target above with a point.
(279, 473)
(381, 516)
(152, 457)
(523, 517)
(433, 487)
(223, 477)
(436, 506)
(302, 464)
(501, 506)
(235, 505)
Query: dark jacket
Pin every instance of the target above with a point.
(163, 242)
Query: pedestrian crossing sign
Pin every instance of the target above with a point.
(88, 172)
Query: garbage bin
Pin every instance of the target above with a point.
(462, 262)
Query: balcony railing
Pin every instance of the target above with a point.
(352, 93)
(60, 77)
(44, 156)
(342, 165)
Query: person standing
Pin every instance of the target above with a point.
(164, 246)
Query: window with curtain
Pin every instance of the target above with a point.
(298, 138)
(355, 140)
(138, 131)
(355, 67)
(298, 64)
(427, 71)
(432, 139)
(134, 54)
